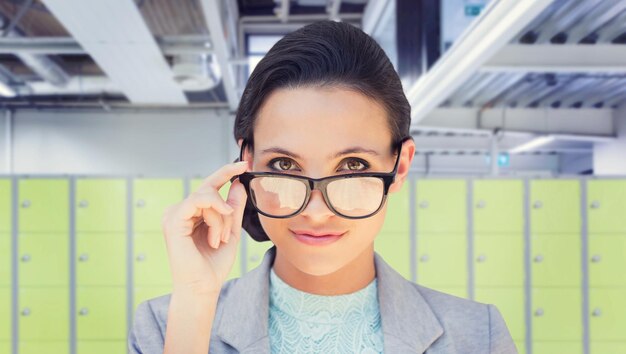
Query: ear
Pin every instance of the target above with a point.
(404, 164)
(247, 155)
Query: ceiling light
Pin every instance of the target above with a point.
(6, 90)
(536, 142)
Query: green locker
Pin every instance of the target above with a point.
(6, 205)
(607, 314)
(554, 347)
(395, 249)
(236, 270)
(606, 206)
(43, 259)
(101, 205)
(143, 293)
(441, 206)
(499, 260)
(150, 199)
(521, 346)
(498, 207)
(442, 260)
(5, 258)
(101, 347)
(397, 218)
(607, 260)
(5, 314)
(556, 260)
(555, 206)
(101, 313)
(607, 347)
(44, 314)
(5, 346)
(101, 259)
(43, 205)
(557, 314)
(48, 347)
(256, 251)
(151, 261)
(510, 302)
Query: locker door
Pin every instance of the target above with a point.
(150, 199)
(442, 261)
(607, 206)
(555, 206)
(43, 259)
(397, 218)
(101, 205)
(499, 260)
(395, 249)
(607, 347)
(101, 313)
(256, 252)
(498, 207)
(48, 347)
(101, 347)
(101, 259)
(556, 260)
(553, 347)
(607, 260)
(6, 207)
(5, 258)
(43, 205)
(5, 314)
(557, 314)
(44, 314)
(441, 206)
(607, 307)
(151, 262)
(510, 302)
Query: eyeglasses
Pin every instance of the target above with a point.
(352, 196)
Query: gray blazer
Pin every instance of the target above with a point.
(415, 319)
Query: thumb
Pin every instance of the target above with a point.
(237, 198)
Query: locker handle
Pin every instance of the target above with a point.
(26, 203)
(83, 204)
(596, 312)
(424, 204)
(26, 258)
(538, 258)
(481, 204)
(539, 312)
(84, 311)
(254, 258)
(595, 204)
(424, 258)
(83, 257)
(26, 311)
(538, 204)
(596, 258)
(141, 203)
(141, 257)
(481, 258)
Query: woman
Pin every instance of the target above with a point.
(323, 127)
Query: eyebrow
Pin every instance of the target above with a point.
(350, 150)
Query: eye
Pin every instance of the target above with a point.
(284, 164)
(353, 164)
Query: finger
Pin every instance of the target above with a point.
(214, 220)
(202, 200)
(237, 198)
(227, 219)
(223, 175)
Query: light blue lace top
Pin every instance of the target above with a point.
(300, 322)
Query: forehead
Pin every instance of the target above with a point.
(321, 120)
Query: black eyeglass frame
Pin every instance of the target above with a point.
(320, 184)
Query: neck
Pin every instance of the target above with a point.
(354, 276)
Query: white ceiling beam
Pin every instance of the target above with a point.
(599, 58)
(213, 17)
(585, 123)
(373, 14)
(492, 30)
(115, 35)
(604, 12)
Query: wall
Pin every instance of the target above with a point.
(610, 158)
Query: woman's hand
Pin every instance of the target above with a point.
(202, 232)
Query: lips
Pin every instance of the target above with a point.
(320, 233)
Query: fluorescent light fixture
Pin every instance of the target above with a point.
(6, 90)
(536, 142)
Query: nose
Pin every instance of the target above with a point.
(317, 208)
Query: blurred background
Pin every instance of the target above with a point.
(110, 111)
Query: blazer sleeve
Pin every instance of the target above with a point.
(500, 340)
(145, 335)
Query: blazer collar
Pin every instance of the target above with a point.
(408, 322)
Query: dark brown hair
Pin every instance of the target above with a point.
(322, 54)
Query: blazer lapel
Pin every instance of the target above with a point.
(408, 323)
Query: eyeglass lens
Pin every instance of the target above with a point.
(281, 196)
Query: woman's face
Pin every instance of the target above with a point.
(315, 124)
